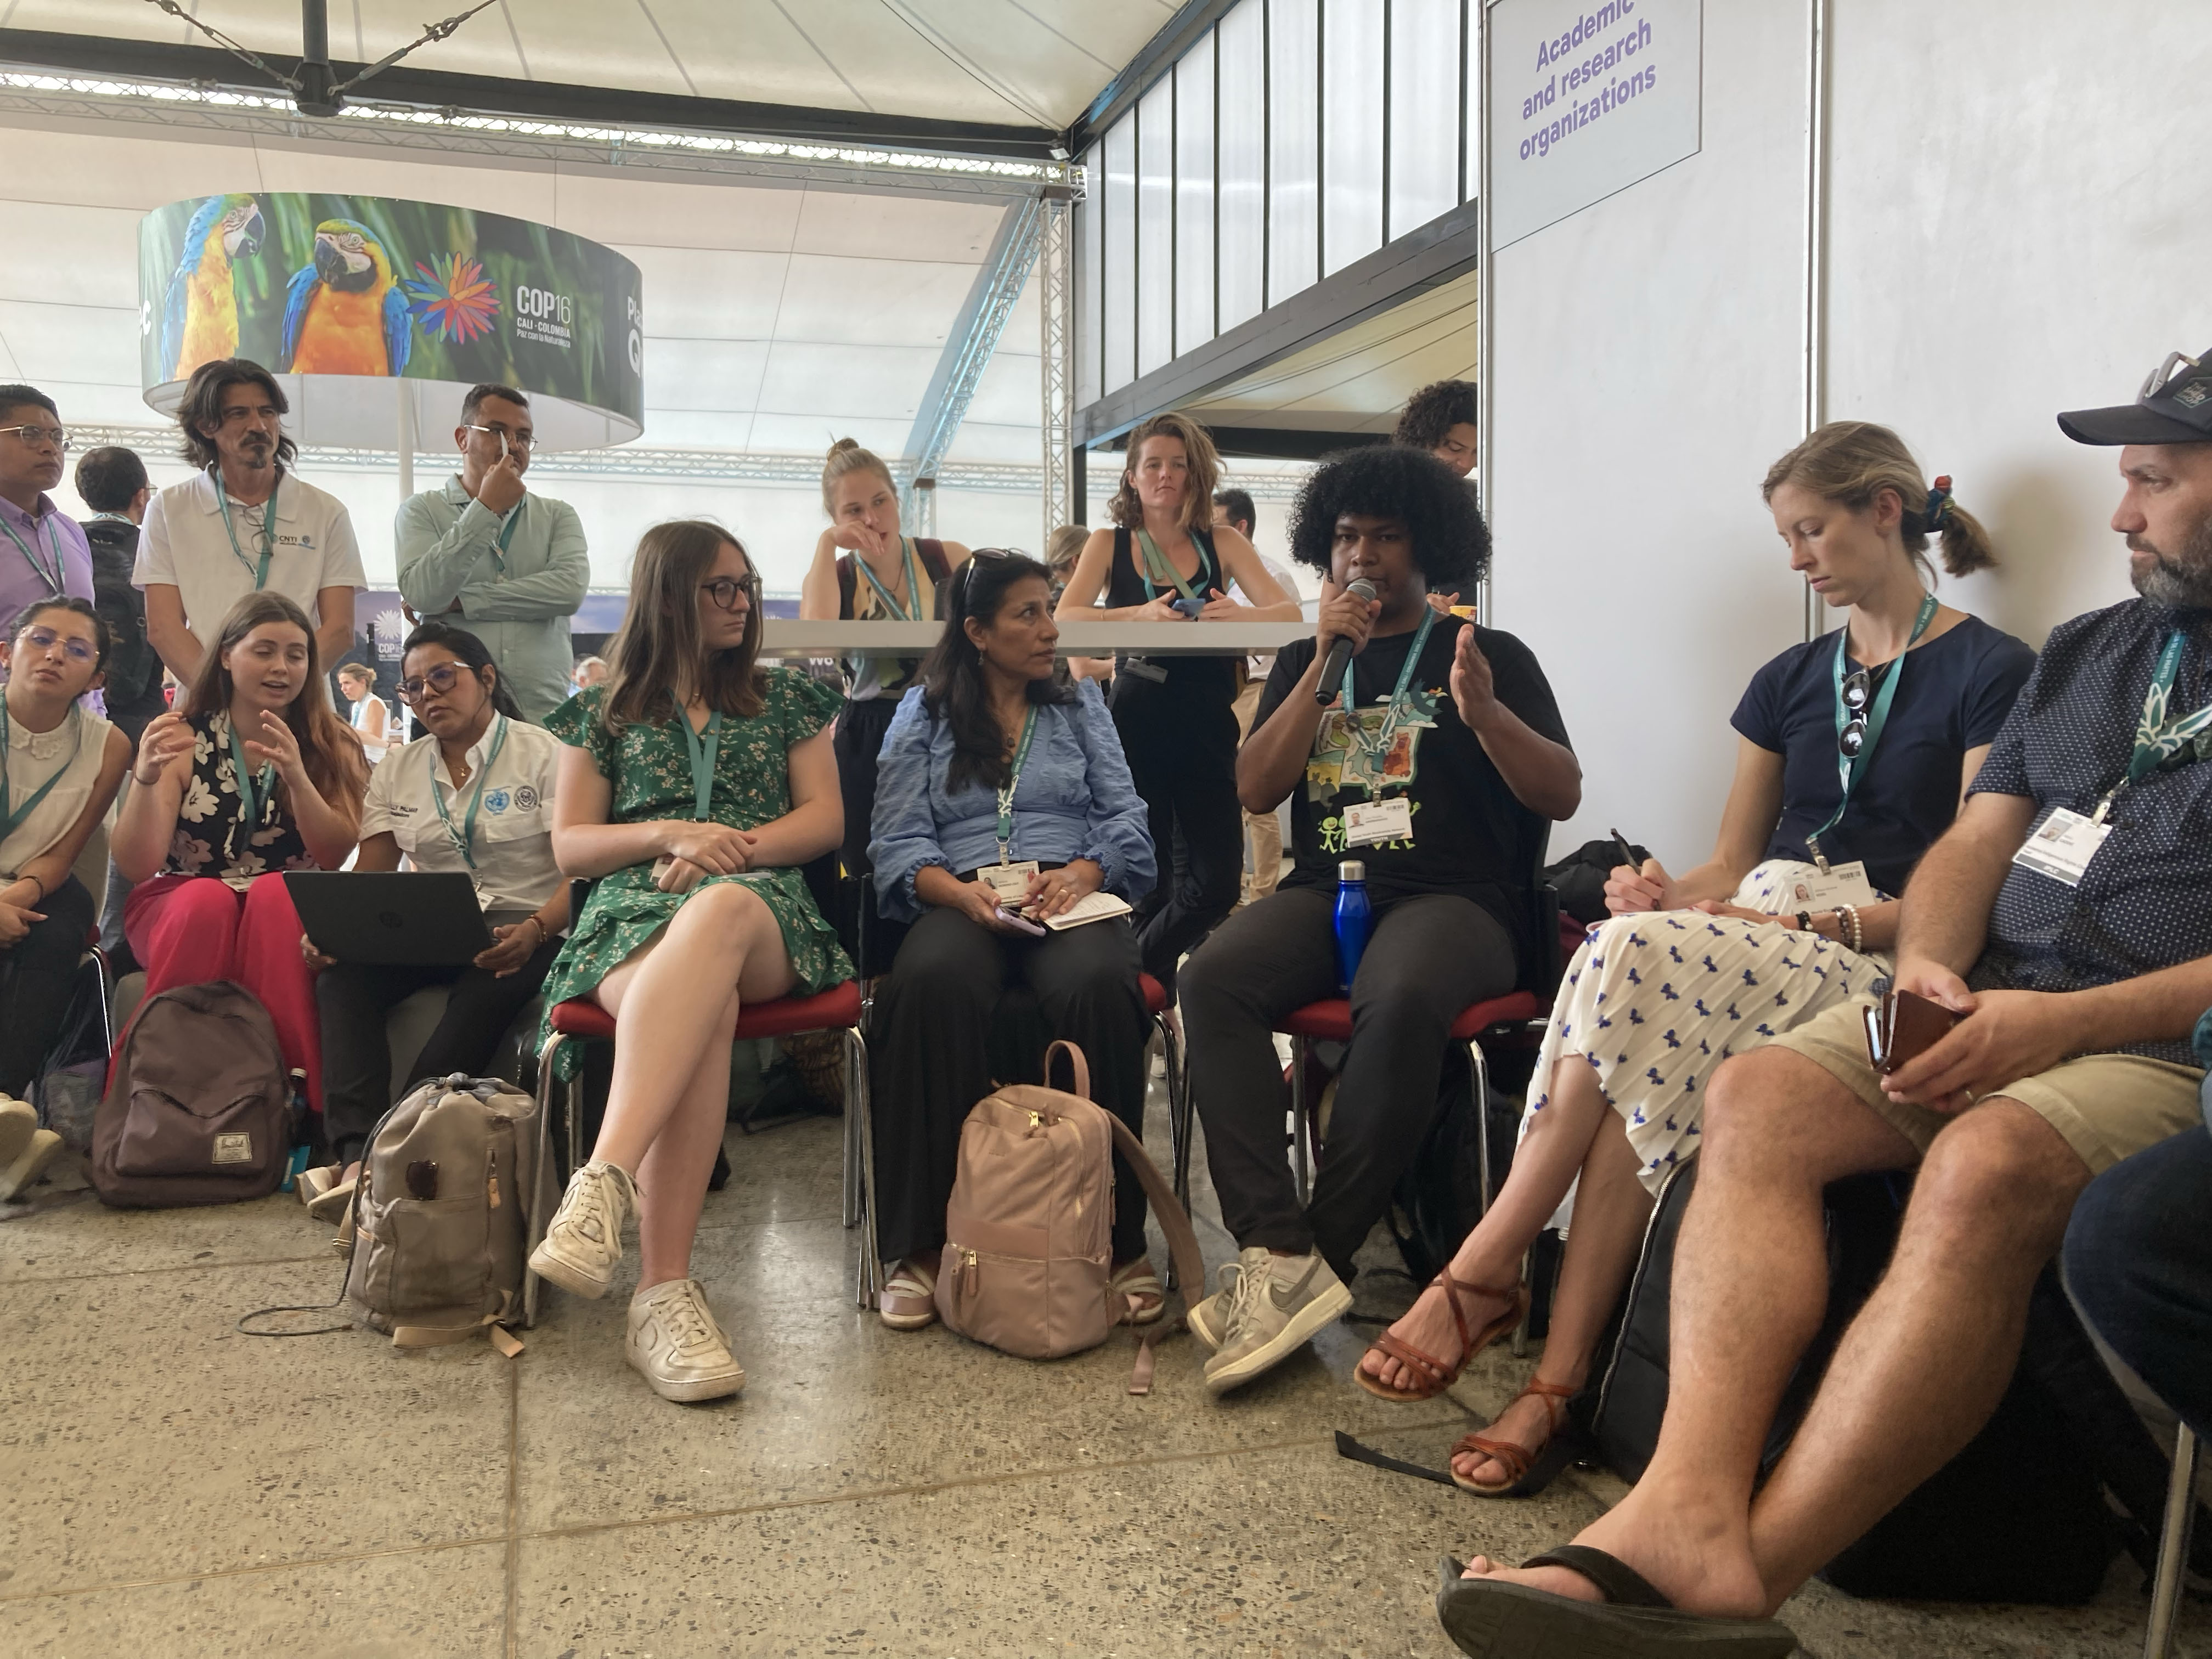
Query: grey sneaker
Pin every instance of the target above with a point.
(1204, 1316)
(583, 1246)
(1278, 1303)
(675, 1344)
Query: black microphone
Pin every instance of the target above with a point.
(1339, 650)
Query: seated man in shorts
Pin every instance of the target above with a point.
(2078, 962)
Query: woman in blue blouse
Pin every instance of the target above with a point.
(998, 791)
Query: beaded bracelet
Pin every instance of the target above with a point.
(1847, 915)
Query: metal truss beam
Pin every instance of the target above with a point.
(1056, 371)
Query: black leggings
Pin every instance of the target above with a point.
(929, 1060)
(1182, 760)
(37, 978)
(355, 999)
(1429, 957)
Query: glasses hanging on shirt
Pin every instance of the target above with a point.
(1857, 693)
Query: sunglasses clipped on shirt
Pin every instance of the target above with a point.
(1857, 693)
(723, 591)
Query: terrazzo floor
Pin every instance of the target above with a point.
(170, 1487)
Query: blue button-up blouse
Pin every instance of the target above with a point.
(1074, 800)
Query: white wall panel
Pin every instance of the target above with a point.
(1156, 228)
(1293, 147)
(1423, 112)
(1351, 131)
(1243, 257)
(1193, 92)
(1119, 221)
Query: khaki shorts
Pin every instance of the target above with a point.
(2106, 1106)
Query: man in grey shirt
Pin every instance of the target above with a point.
(487, 555)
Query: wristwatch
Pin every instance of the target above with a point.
(1804, 922)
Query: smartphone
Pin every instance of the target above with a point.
(1903, 1026)
(1020, 920)
(1190, 607)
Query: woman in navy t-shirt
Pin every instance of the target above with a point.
(1854, 753)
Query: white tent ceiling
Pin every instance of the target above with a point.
(1027, 62)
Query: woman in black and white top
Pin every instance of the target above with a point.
(475, 796)
(1166, 563)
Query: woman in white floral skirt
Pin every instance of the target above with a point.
(1853, 752)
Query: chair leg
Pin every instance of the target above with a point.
(1301, 1124)
(1481, 1120)
(1178, 1126)
(851, 1174)
(867, 1277)
(2173, 1546)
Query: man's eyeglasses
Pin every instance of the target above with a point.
(1857, 692)
(724, 590)
(514, 439)
(440, 679)
(41, 437)
(45, 638)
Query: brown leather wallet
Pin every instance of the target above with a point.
(1902, 1026)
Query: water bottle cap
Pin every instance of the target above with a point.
(1351, 870)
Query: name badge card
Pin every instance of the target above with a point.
(1842, 883)
(1010, 882)
(2063, 847)
(1374, 821)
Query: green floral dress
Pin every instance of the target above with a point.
(650, 768)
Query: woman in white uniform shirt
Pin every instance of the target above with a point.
(59, 769)
(476, 795)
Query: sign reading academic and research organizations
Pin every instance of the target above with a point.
(1583, 100)
(369, 287)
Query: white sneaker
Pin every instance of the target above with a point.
(675, 1344)
(1279, 1303)
(1205, 1317)
(584, 1246)
(25, 1148)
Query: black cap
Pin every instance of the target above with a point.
(2173, 407)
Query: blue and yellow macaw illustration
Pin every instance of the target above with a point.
(347, 313)
(199, 310)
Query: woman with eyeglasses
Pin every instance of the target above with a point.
(695, 786)
(1005, 801)
(867, 568)
(1853, 753)
(251, 776)
(1165, 563)
(60, 766)
(475, 798)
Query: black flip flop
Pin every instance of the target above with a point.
(1488, 1619)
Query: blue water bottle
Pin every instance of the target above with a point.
(1355, 920)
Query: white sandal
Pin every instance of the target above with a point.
(908, 1301)
(1135, 1290)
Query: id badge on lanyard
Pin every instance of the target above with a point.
(1371, 822)
(1009, 880)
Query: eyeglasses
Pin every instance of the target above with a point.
(45, 638)
(1857, 692)
(440, 679)
(514, 439)
(724, 590)
(41, 437)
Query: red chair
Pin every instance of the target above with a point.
(837, 1009)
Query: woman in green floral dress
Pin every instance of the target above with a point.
(694, 787)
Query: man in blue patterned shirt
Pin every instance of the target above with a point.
(2067, 920)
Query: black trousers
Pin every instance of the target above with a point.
(1183, 759)
(929, 1062)
(1429, 957)
(37, 978)
(354, 999)
(871, 940)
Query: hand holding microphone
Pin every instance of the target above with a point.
(1345, 619)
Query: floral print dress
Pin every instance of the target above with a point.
(212, 836)
(650, 769)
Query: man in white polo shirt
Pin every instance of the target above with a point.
(243, 525)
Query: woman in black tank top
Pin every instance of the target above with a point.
(1164, 563)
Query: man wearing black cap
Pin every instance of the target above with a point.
(2065, 925)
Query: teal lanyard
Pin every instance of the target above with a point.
(268, 529)
(2158, 740)
(1849, 768)
(1156, 563)
(702, 758)
(464, 837)
(53, 578)
(247, 783)
(506, 537)
(912, 585)
(10, 819)
(1013, 782)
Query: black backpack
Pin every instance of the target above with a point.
(2018, 1515)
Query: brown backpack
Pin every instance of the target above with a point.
(1028, 1232)
(198, 1109)
(456, 1187)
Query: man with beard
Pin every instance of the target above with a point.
(245, 524)
(2066, 921)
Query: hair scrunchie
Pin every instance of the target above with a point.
(1937, 514)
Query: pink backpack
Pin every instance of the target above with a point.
(1028, 1231)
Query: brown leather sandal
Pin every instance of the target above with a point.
(1527, 1472)
(1437, 1376)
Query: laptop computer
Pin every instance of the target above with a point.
(425, 917)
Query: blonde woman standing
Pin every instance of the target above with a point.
(1164, 563)
(867, 569)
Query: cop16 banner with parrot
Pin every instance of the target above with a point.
(307, 283)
